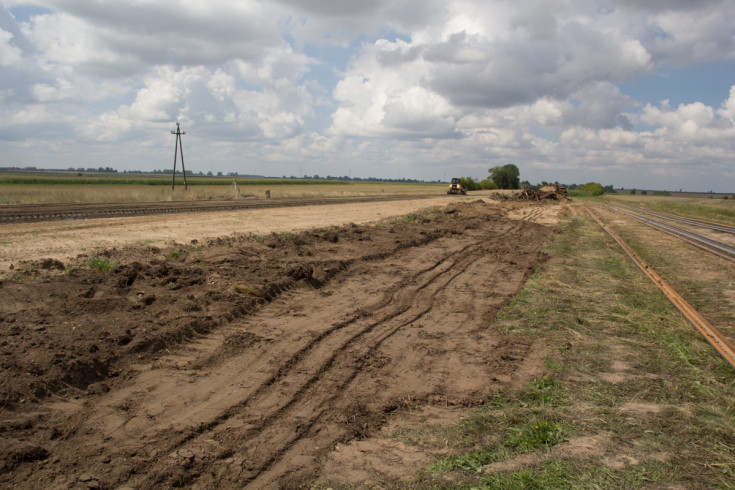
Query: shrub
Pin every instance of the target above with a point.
(487, 184)
(468, 183)
(593, 188)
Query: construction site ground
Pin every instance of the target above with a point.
(253, 357)
(358, 346)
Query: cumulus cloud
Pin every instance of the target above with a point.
(9, 54)
(208, 103)
(120, 39)
(481, 70)
(471, 65)
(389, 85)
(387, 99)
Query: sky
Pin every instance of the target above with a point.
(630, 93)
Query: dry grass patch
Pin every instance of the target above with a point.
(633, 396)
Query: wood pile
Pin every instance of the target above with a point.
(552, 192)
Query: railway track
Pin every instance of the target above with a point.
(681, 219)
(712, 246)
(721, 344)
(34, 213)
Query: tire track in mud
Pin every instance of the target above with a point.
(413, 306)
(317, 374)
(264, 412)
(298, 377)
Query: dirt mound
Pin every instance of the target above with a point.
(545, 193)
(246, 359)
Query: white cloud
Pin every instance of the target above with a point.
(406, 86)
(208, 103)
(685, 121)
(382, 96)
(9, 54)
(116, 38)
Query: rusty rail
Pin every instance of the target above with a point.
(710, 333)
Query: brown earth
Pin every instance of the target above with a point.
(269, 361)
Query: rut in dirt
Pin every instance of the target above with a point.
(262, 398)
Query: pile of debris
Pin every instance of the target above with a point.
(553, 192)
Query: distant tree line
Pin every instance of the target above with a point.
(508, 177)
(500, 177)
(70, 169)
(505, 177)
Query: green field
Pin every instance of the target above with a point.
(71, 187)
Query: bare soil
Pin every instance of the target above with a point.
(262, 361)
(69, 240)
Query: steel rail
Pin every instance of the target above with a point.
(710, 333)
(34, 213)
(712, 225)
(712, 246)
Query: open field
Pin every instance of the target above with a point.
(47, 187)
(474, 344)
(719, 210)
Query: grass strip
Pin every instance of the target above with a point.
(719, 210)
(632, 397)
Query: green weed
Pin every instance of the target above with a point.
(412, 218)
(101, 264)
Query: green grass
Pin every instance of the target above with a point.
(102, 178)
(175, 253)
(566, 474)
(101, 264)
(46, 187)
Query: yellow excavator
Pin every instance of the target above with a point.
(456, 187)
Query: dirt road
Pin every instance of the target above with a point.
(65, 240)
(262, 362)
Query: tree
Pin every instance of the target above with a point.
(593, 188)
(468, 183)
(505, 177)
(487, 184)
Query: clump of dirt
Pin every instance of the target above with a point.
(64, 331)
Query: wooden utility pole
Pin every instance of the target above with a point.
(178, 146)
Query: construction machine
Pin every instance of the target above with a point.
(456, 187)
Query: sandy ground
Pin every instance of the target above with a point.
(64, 240)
